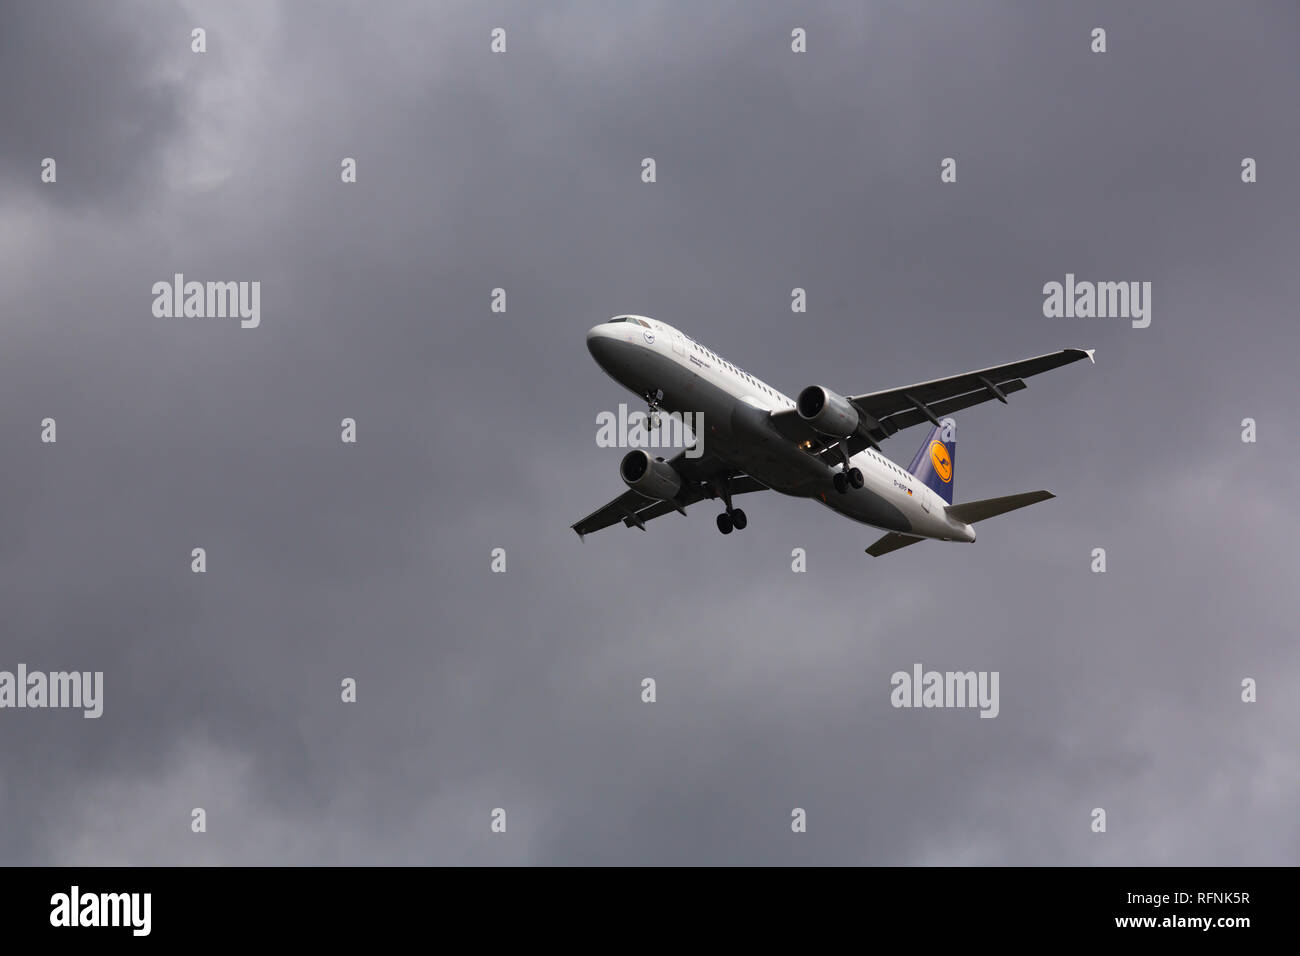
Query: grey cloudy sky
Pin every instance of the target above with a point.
(522, 690)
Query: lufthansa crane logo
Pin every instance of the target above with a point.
(942, 463)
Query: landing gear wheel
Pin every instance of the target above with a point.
(855, 478)
(739, 520)
(841, 482)
(724, 523)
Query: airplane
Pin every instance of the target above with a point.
(819, 445)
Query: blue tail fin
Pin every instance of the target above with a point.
(936, 462)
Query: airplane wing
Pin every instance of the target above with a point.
(884, 413)
(634, 509)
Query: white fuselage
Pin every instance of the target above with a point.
(647, 355)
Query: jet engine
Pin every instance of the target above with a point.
(652, 477)
(826, 412)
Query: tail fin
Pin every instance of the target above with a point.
(936, 461)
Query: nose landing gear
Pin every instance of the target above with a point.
(653, 399)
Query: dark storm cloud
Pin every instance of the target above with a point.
(476, 431)
(84, 86)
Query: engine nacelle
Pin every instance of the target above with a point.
(652, 477)
(827, 413)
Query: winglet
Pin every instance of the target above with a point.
(1090, 353)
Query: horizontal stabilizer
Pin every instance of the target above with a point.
(972, 511)
(891, 542)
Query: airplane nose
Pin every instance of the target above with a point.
(599, 342)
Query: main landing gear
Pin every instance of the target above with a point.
(732, 517)
(843, 480)
(849, 477)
